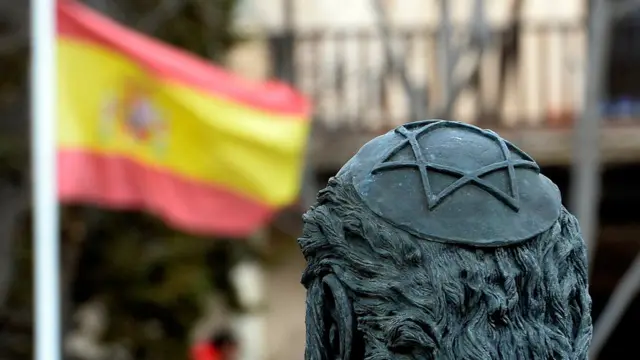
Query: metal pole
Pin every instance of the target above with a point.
(586, 177)
(585, 174)
(46, 246)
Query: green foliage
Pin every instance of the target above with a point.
(202, 26)
(148, 276)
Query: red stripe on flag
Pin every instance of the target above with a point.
(121, 183)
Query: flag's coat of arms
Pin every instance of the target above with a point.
(132, 113)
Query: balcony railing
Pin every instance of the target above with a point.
(531, 77)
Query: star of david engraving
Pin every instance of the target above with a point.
(510, 197)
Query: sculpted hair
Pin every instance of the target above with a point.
(416, 299)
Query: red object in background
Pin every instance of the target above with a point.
(560, 118)
(205, 351)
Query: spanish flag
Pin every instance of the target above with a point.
(143, 125)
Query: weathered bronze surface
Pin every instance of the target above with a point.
(440, 240)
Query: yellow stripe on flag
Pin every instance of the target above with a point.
(110, 105)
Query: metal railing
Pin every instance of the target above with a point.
(530, 77)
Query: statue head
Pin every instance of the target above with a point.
(440, 240)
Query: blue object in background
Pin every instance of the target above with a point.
(621, 108)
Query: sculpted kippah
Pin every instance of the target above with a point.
(456, 183)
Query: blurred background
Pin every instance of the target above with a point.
(134, 288)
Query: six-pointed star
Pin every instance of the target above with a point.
(411, 138)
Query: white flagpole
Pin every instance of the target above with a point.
(46, 244)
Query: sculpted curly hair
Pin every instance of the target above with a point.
(410, 298)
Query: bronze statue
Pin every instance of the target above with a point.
(441, 240)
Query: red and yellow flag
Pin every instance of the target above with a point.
(143, 125)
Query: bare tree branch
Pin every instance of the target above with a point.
(460, 80)
(446, 58)
(455, 74)
(415, 98)
(509, 51)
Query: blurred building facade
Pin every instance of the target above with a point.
(526, 82)
(339, 46)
